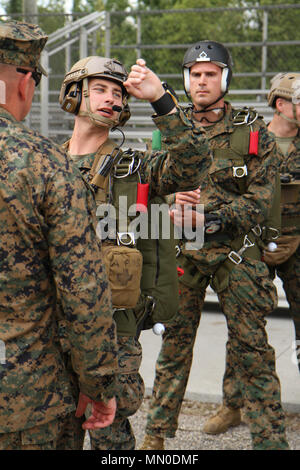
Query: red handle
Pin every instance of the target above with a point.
(253, 143)
(142, 197)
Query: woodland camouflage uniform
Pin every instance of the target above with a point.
(285, 259)
(289, 271)
(164, 175)
(246, 293)
(48, 249)
(41, 233)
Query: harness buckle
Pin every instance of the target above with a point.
(247, 243)
(257, 230)
(125, 238)
(275, 231)
(129, 164)
(245, 116)
(235, 257)
(240, 171)
(177, 251)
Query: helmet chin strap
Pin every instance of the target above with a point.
(96, 119)
(293, 121)
(205, 110)
(214, 110)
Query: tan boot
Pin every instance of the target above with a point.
(152, 443)
(224, 419)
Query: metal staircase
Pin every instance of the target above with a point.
(76, 37)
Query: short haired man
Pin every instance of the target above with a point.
(284, 98)
(46, 225)
(93, 90)
(237, 197)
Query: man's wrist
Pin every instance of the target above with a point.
(166, 102)
(163, 105)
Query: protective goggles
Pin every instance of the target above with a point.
(34, 73)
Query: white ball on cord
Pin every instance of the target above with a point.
(272, 246)
(158, 329)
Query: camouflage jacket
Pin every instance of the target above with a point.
(290, 208)
(48, 250)
(220, 191)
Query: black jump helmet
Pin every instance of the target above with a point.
(208, 51)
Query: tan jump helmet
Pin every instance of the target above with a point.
(287, 86)
(75, 86)
(284, 85)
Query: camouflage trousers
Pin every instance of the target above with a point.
(249, 297)
(130, 393)
(43, 437)
(289, 273)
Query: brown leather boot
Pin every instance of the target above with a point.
(222, 420)
(152, 443)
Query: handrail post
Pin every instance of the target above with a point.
(107, 34)
(83, 47)
(264, 51)
(44, 86)
(138, 36)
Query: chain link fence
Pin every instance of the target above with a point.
(263, 40)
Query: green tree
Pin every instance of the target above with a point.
(122, 32)
(155, 4)
(14, 8)
(283, 25)
(239, 30)
(51, 21)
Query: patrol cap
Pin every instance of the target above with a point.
(21, 44)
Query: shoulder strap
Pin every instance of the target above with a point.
(105, 149)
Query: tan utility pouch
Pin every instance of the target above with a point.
(124, 270)
(286, 247)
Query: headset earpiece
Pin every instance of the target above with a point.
(186, 79)
(72, 100)
(224, 80)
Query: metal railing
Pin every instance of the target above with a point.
(74, 32)
(93, 35)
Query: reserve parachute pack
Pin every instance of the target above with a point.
(141, 270)
(290, 194)
(243, 145)
(288, 243)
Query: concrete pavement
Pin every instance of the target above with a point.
(205, 382)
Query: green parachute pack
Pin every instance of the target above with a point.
(243, 144)
(142, 271)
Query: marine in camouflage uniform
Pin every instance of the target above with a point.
(164, 175)
(46, 228)
(245, 290)
(285, 127)
(289, 270)
(284, 98)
